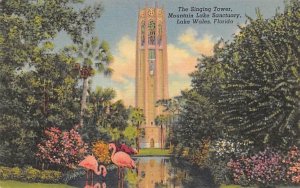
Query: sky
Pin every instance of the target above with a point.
(186, 42)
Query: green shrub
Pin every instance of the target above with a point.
(5, 173)
(15, 172)
(50, 176)
(30, 174)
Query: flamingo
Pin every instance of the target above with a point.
(121, 159)
(90, 163)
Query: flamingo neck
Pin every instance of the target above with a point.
(98, 171)
(103, 170)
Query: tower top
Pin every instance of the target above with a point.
(150, 12)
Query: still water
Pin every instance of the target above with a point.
(153, 172)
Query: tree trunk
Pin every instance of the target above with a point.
(83, 99)
(137, 138)
(161, 136)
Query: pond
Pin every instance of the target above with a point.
(153, 172)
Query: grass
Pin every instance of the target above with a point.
(16, 184)
(230, 186)
(154, 152)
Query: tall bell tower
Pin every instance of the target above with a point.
(151, 71)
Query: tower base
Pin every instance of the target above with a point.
(152, 138)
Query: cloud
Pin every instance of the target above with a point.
(182, 59)
(202, 45)
(124, 60)
(176, 86)
(126, 92)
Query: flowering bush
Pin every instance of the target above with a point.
(292, 162)
(101, 152)
(223, 147)
(64, 148)
(264, 168)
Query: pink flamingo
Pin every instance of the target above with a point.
(90, 163)
(121, 159)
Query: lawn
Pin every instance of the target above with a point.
(154, 152)
(16, 184)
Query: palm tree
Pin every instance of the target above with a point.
(171, 108)
(161, 120)
(137, 118)
(91, 57)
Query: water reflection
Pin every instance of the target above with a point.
(96, 185)
(154, 172)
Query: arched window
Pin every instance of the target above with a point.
(152, 143)
(159, 37)
(151, 33)
(143, 33)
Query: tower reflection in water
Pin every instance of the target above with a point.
(153, 172)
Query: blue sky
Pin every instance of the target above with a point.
(117, 25)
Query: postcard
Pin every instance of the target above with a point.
(149, 94)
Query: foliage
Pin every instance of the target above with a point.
(104, 119)
(73, 174)
(264, 168)
(162, 121)
(11, 183)
(247, 91)
(225, 147)
(30, 174)
(197, 120)
(130, 134)
(37, 85)
(118, 115)
(292, 161)
(132, 178)
(137, 117)
(221, 151)
(91, 56)
(171, 107)
(200, 155)
(101, 152)
(260, 92)
(63, 148)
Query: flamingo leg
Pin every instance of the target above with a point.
(86, 180)
(119, 172)
(92, 178)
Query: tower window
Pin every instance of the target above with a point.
(151, 33)
(143, 33)
(151, 61)
(159, 37)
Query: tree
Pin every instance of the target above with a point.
(172, 108)
(137, 118)
(97, 115)
(161, 120)
(92, 56)
(36, 82)
(197, 120)
(260, 98)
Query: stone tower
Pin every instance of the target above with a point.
(151, 72)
